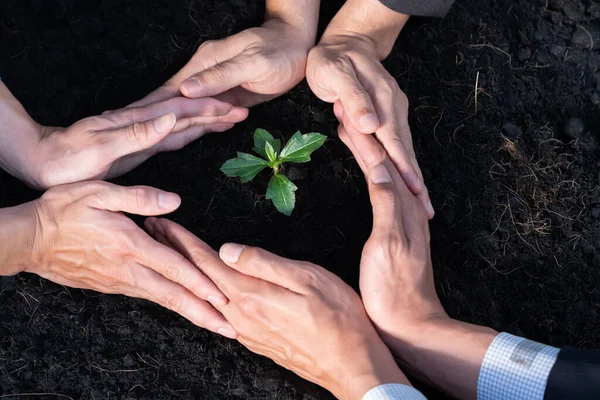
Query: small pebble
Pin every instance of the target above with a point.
(582, 38)
(595, 98)
(524, 54)
(574, 127)
(558, 50)
(512, 131)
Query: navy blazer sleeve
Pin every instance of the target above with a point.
(423, 8)
(575, 375)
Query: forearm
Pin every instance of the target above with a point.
(445, 353)
(17, 232)
(370, 20)
(17, 135)
(302, 14)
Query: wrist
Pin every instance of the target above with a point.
(444, 352)
(368, 21)
(365, 368)
(299, 17)
(19, 136)
(18, 229)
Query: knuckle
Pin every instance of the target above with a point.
(383, 196)
(117, 276)
(138, 132)
(340, 64)
(172, 273)
(172, 302)
(198, 258)
(140, 197)
(124, 246)
(208, 44)
(218, 73)
(248, 304)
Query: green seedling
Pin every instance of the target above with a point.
(281, 191)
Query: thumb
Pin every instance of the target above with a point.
(384, 200)
(139, 200)
(220, 78)
(138, 136)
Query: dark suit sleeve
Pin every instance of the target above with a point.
(575, 375)
(423, 8)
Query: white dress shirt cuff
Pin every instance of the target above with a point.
(393, 391)
(515, 368)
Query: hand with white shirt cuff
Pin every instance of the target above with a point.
(298, 314)
(396, 283)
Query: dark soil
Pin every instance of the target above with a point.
(506, 119)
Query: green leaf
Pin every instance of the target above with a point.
(281, 192)
(246, 166)
(299, 148)
(261, 137)
(270, 151)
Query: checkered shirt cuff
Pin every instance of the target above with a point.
(515, 369)
(393, 391)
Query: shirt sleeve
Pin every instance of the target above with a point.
(515, 368)
(422, 8)
(393, 391)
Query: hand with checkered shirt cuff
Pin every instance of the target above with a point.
(397, 288)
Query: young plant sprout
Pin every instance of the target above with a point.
(297, 150)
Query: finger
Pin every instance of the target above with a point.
(261, 264)
(394, 205)
(346, 139)
(391, 106)
(355, 99)
(228, 280)
(139, 200)
(157, 288)
(136, 137)
(221, 77)
(180, 106)
(176, 268)
(402, 161)
(235, 115)
(209, 53)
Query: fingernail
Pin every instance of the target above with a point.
(231, 252)
(379, 174)
(216, 301)
(191, 88)
(430, 209)
(369, 122)
(168, 201)
(165, 123)
(228, 332)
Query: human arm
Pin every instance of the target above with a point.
(77, 235)
(298, 314)
(396, 282)
(103, 146)
(252, 66)
(346, 67)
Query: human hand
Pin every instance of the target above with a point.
(248, 68)
(301, 316)
(115, 142)
(83, 240)
(396, 276)
(345, 67)
(397, 287)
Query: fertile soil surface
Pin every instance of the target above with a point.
(505, 112)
